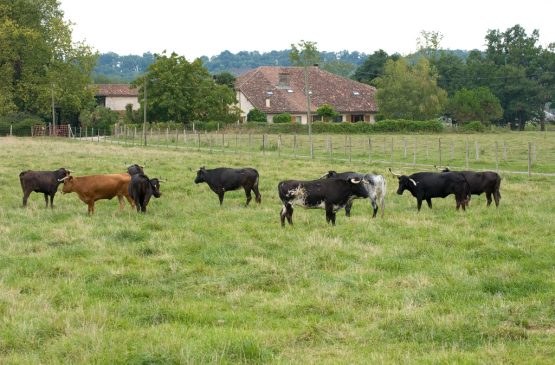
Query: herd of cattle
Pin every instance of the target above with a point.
(331, 192)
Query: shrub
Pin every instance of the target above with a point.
(473, 127)
(256, 115)
(21, 123)
(282, 118)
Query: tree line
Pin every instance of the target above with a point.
(46, 76)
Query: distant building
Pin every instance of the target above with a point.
(277, 90)
(116, 96)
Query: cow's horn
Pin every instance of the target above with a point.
(324, 176)
(414, 182)
(394, 174)
(355, 180)
(62, 179)
(160, 180)
(70, 171)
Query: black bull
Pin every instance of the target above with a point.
(142, 189)
(428, 185)
(223, 179)
(482, 182)
(330, 194)
(45, 182)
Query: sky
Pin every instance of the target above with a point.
(208, 27)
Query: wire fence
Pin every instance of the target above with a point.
(531, 153)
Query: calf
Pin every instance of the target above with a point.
(141, 189)
(428, 185)
(330, 194)
(224, 179)
(375, 184)
(95, 187)
(482, 182)
(45, 182)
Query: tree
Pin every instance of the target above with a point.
(372, 67)
(428, 44)
(409, 92)
(225, 78)
(305, 53)
(183, 91)
(327, 112)
(476, 104)
(39, 62)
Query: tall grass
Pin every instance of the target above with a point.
(193, 282)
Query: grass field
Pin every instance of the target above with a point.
(193, 282)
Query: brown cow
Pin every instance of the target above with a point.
(95, 187)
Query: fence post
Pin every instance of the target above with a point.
(369, 150)
(176, 137)
(279, 145)
(350, 149)
(236, 141)
(184, 136)
(11, 127)
(529, 159)
(295, 145)
(92, 134)
(504, 151)
(263, 144)
(415, 149)
(198, 140)
(496, 156)
(167, 136)
(439, 146)
(331, 147)
(477, 151)
(467, 154)
(223, 141)
(405, 147)
(210, 142)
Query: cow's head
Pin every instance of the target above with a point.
(135, 169)
(61, 173)
(405, 183)
(155, 184)
(200, 175)
(69, 182)
(329, 174)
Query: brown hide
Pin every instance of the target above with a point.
(95, 187)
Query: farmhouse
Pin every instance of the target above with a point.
(277, 90)
(116, 96)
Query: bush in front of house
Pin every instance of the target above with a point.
(282, 118)
(256, 115)
(475, 126)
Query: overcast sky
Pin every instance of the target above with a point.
(208, 27)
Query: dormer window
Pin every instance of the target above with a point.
(269, 93)
(283, 80)
(356, 93)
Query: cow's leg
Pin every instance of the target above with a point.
(429, 201)
(282, 215)
(52, 201)
(90, 205)
(46, 199)
(488, 197)
(145, 203)
(330, 214)
(121, 203)
(130, 199)
(25, 197)
(497, 197)
(248, 195)
(348, 207)
(258, 197)
(418, 203)
(374, 208)
(289, 209)
(221, 197)
(382, 204)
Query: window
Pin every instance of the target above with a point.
(338, 119)
(283, 80)
(357, 118)
(298, 119)
(316, 118)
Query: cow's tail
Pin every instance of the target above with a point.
(21, 174)
(381, 189)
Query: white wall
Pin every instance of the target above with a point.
(118, 103)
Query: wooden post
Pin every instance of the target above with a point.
(223, 141)
(369, 150)
(210, 142)
(415, 149)
(529, 159)
(350, 149)
(236, 141)
(167, 136)
(185, 136)
(405, 147)
(198, 141)
(439, 147)
(496, 156)
(295, 145)
(477, 150)
(279, 145)
(504, 151)
(467, 154)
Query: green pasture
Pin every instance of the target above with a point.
(193, 282)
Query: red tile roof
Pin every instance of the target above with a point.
(115, 90)
(346, 96)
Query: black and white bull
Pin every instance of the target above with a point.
(428, 185)
(330, 194)
(375, 184)
(224, 179)
(482, 182)
(45, 182)
(142, 189)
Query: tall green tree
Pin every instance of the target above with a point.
(406, 92)
(304, 53)
(183, 91)
(39, 62)
(373, 67)
(476, 104)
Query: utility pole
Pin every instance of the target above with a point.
(144, 110)
(308, 121)
(53, 110)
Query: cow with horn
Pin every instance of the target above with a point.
(428, 185)
(45, 182)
